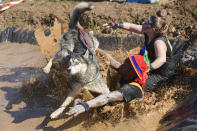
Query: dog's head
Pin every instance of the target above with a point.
(77, 65)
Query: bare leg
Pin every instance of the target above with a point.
(47, 68)
(96, 102)
(114, 63)
(59, 54)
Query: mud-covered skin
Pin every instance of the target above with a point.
(97, 102)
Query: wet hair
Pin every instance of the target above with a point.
(159, 25)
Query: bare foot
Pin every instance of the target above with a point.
(76, 110)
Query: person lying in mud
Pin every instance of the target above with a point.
(140, 72)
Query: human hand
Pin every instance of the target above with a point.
(76, 110)
(112, 25)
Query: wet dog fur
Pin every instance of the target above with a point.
(84, 75)
(83, 69)
(69, 41)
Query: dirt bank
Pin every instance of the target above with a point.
(180, 14)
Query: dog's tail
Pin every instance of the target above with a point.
(77, 11)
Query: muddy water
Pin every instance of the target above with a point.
(17, 63)
(146, 122)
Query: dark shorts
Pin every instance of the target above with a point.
(130, 92)
(152, 82)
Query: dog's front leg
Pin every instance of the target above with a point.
(68, 100)
(59, 54)
(47, 68)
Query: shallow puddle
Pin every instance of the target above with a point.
(17, 63)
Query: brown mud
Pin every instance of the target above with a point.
(25, 109)
(18, 63)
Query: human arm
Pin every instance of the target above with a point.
(160, 53)
(127, 26)
(96, 102)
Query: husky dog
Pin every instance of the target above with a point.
(82, 63)
(84, 72)
(73, 41)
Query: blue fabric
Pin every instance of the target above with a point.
(143, 50)
(136, 65)
(141, 1)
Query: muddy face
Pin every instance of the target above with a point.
(146, 24)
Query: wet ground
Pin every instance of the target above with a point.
(18, 63)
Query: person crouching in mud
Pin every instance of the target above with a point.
(140, 72)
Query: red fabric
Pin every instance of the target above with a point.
(139, 60)
(143, 79)
(85, 38)
(113, 23)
